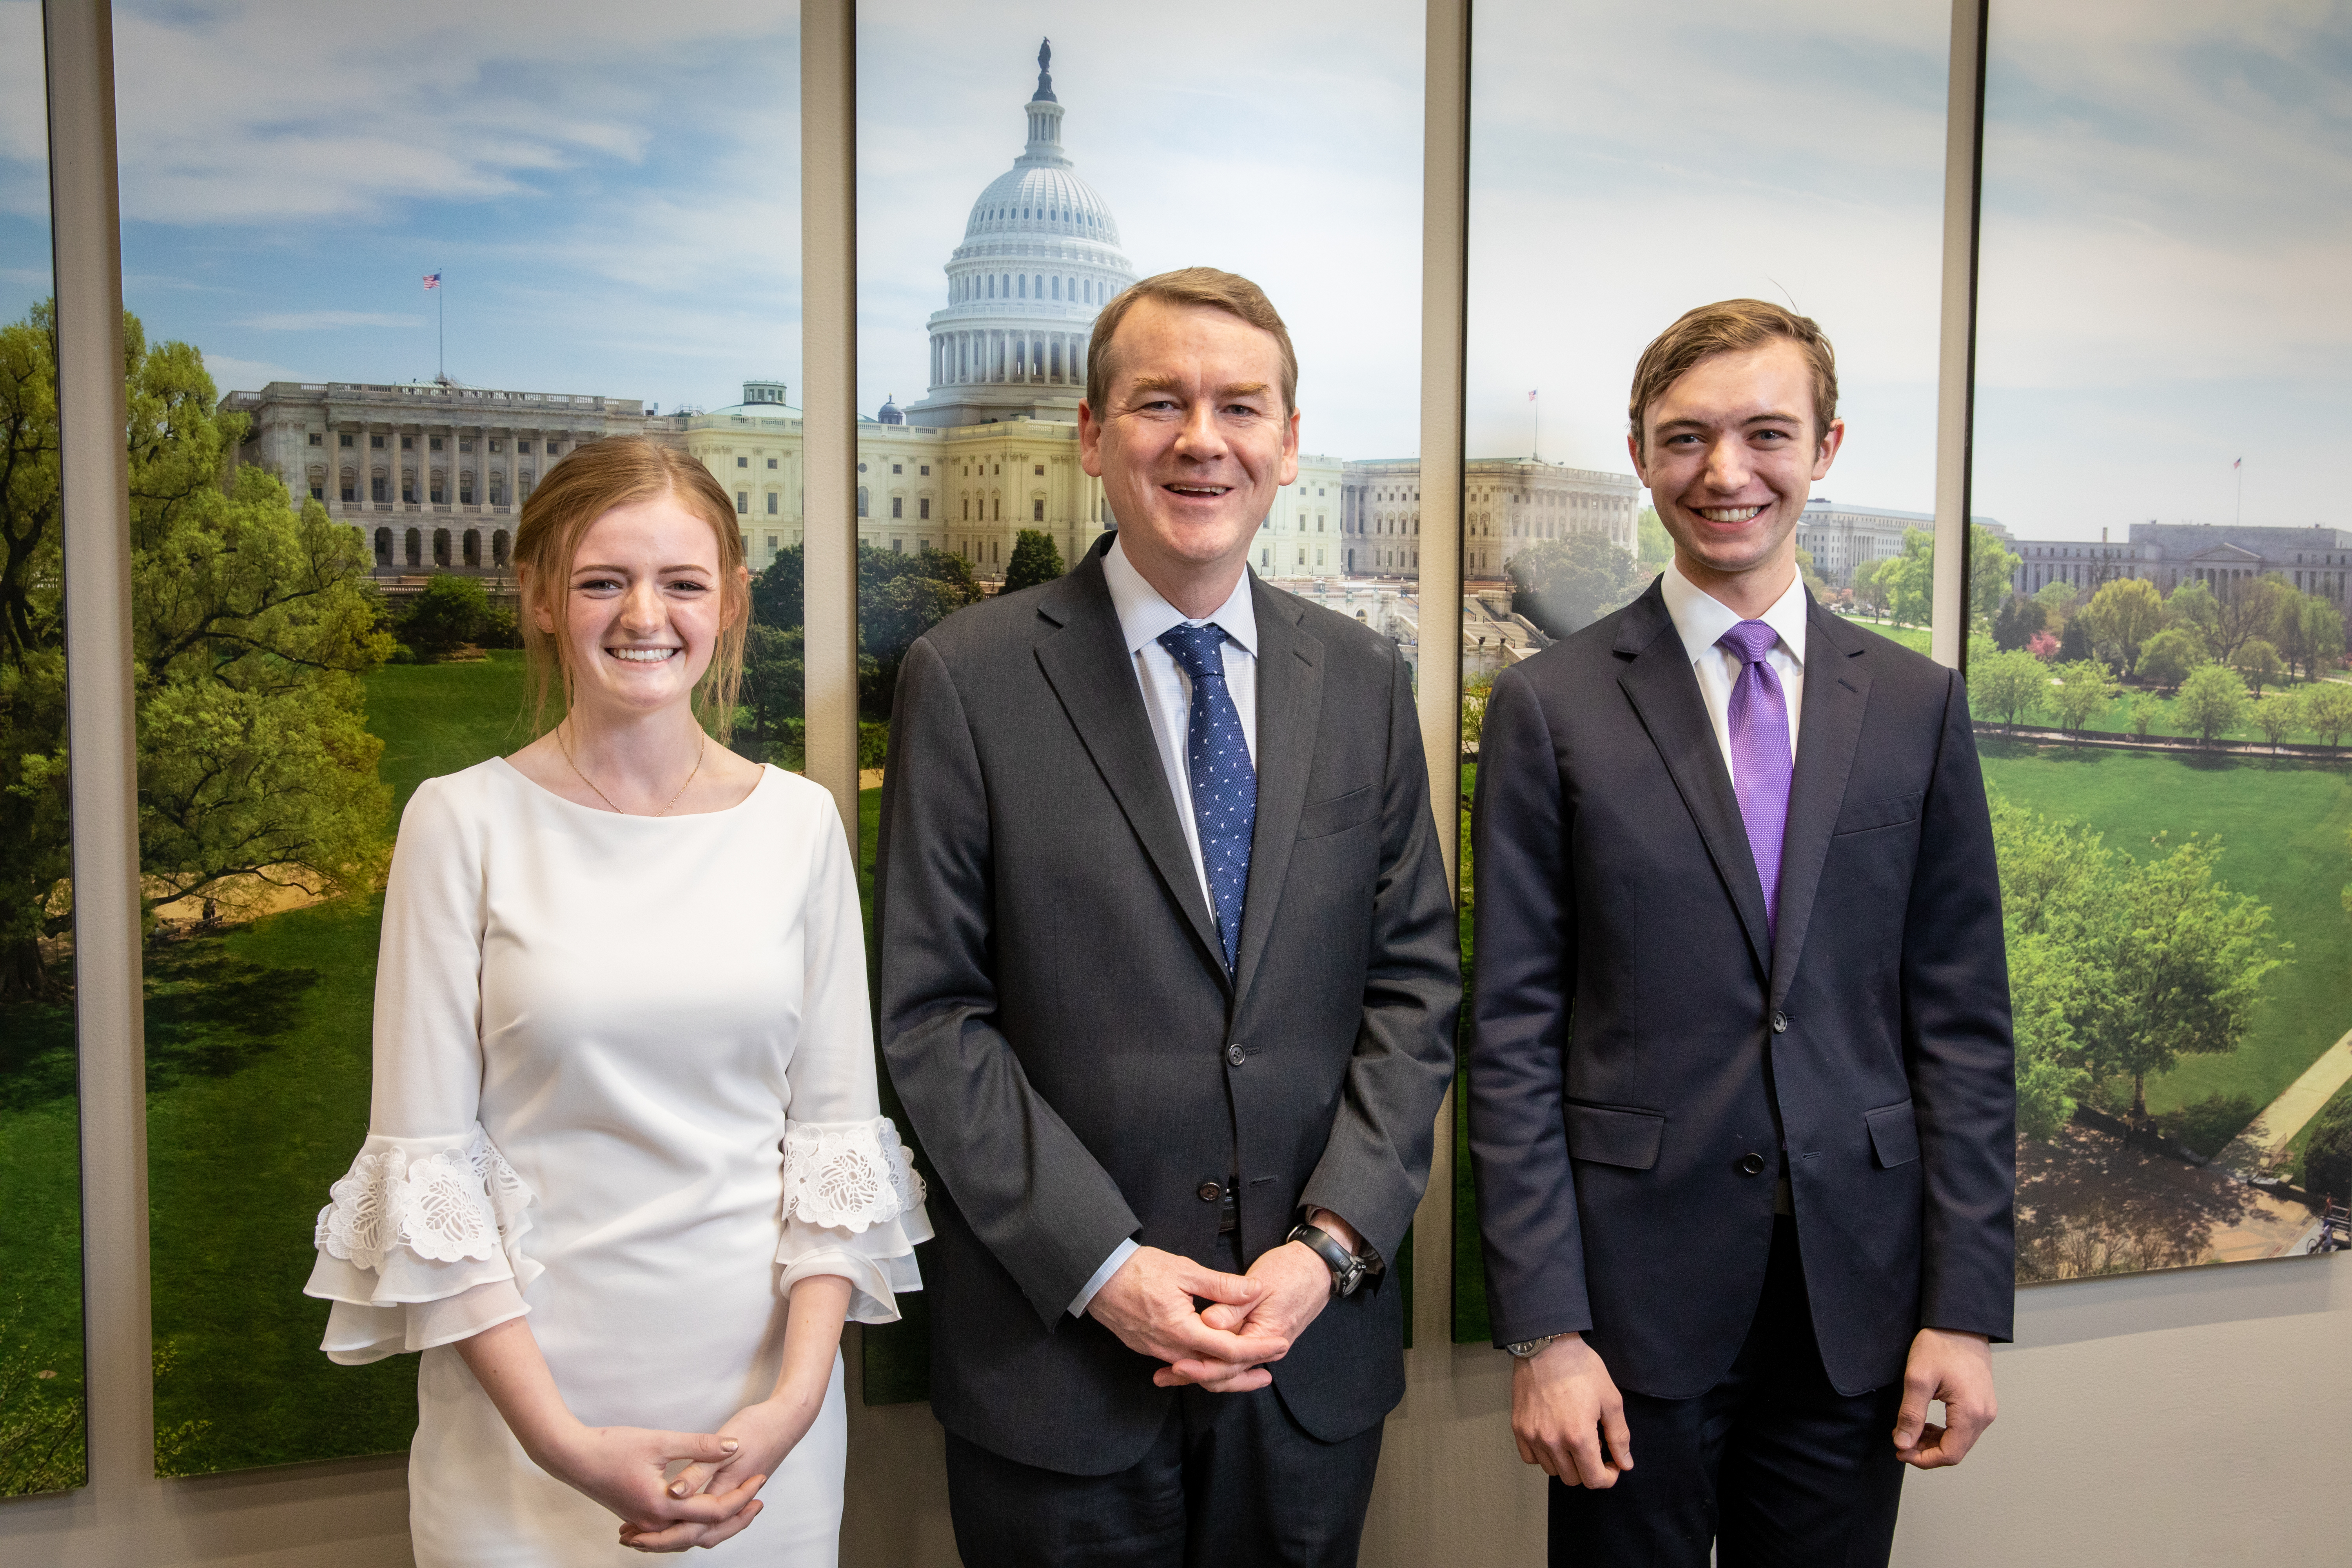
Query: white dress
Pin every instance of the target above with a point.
(624, 1084)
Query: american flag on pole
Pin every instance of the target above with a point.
(1531, 398)
(2238, 464)
(433, 280)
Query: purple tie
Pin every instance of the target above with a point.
(1760, 755)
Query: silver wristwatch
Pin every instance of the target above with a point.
(1523, 1348)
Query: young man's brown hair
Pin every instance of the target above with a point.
(1226, 291)
(1731, 326)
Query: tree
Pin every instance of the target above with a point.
(2010, 685)
(774, 676)
(2191, 610)
(449, 613)
(2278, 716)
(1035, 560)
(2327, 1158)
(2321, 636)
(2212, 700)
(2051, 906)
(1564, 584)
(2018, 622)
(900, 597)
(1475, 692)
(2327, 711)
(1909, 578)
(2245, 607)
(2189, 960)
(1870, 588)
(2084, 690)
(1993, 567)
(2042, 645)
(252, 622)
(2140, 713)
(2074, 642)
(1807, 573)
(1656, 546)
(2169, 656)
(36, 853)
(2258, 662)
(2057, 601)
(780, 590)
(2123, 615)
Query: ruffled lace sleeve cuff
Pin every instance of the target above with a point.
(852, 1206)
(416, 1237)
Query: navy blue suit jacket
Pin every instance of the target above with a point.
(1638, 1034)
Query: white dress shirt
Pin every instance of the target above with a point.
(1701, 619)
(1143, 616)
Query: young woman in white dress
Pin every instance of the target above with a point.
(626, 1172)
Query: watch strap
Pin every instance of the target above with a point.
(1347, 1269)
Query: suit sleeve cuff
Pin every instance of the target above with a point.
(1101, 1277)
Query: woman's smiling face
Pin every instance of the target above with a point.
(642, 609)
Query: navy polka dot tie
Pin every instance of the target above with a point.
(1225, 784)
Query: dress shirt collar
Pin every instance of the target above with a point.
(1701, 619)
(1143, 614)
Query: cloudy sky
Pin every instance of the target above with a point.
(612, 190)
(1296, 161)
(1630, 161)
(2167, 260)
(24, 168)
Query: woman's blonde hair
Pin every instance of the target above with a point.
(595, 478)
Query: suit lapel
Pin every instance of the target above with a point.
(1091, 672)
(1837, 692)
(1658, 679)
(1289, 707)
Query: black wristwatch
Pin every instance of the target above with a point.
(1348, 1270)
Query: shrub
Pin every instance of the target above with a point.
(2327, 1158)
(450, 613)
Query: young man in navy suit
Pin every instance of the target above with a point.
(1742, 1098)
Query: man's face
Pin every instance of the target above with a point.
(1195, 440)
(1730, 454)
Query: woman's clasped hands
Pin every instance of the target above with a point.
(721, 1484)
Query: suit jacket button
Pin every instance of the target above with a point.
(1234, 1055)
(1209, 1192)
(1779, 1022)
(1752, 1164)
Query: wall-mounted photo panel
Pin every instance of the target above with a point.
(1017, 169)
(383, 277)
(41, 1443)
(2156, 624)
(1627, 165)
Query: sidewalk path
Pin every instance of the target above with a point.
(2266, 1136)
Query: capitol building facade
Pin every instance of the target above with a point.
(434, 474)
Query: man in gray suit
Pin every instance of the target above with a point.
(1169, 981)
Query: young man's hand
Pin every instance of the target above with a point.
(1568, 1416)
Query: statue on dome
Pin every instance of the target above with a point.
(1045, 72)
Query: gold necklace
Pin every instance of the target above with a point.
(565, 747)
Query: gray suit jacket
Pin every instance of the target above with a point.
(1058, 1018)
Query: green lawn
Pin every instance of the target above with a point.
(2283, 827)
(40, 1255)
(1913, 637)
(258, 1080)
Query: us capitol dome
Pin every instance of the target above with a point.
(1040, 256)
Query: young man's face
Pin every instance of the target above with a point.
(1730, 454)
(1195, 440)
